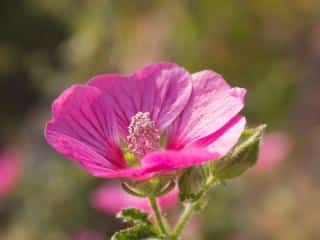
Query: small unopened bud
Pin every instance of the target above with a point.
(243, 156)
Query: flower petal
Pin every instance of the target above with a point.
(162, 89)
(212, 104)
(223, 140)
(170, 160)
(212, 149)
(83, 129)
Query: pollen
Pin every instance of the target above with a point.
(143, 135)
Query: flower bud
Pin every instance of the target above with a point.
(191, 183)
(243, 156)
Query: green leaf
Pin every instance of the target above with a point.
(133, 215)
(142, 229)
(243, 156)
(138, 232)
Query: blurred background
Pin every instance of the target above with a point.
(270, 47)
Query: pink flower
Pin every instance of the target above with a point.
(87, 235)
(10, 168)
(163, 116)
(111, 198)
(274, 148)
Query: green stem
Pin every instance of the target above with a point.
(156, 210)
(189, 208)
(184, 218)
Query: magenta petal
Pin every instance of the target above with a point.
(170, 160)
(136, 174)
(163, 89)
(223, 140)
(212, 105)
(83, 129)
(212, 148)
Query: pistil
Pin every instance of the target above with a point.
(143, 135)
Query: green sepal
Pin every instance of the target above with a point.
(243, 156)
(153, 187)
(191, 184)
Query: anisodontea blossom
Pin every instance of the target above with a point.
(156, 121)
(10, 168)
(111, 198)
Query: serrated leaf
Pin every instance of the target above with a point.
(133, 215)
(142, 229)
(138, 232)
(243, 156)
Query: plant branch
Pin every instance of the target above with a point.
(157, 214)
(184, 218)
(190, 207)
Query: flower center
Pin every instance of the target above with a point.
(143, 135)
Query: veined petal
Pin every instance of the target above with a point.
(83, 129)
(223, 140)
(170, 160)
(212, 104)
(161, 89)
(210, 149)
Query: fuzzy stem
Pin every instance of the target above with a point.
(184, 218)
(157, 214)
(190, 207)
